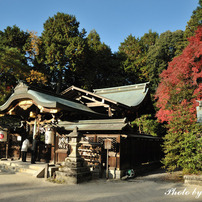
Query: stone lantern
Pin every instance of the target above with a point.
(74, 170)
(74, 139)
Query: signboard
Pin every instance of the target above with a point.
(108, 144)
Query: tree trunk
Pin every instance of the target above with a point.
(59, 82)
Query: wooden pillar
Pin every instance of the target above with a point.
(118, 156)
(7, 150)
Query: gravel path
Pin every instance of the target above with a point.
(22, 187)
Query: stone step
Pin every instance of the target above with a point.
(27, 170)
(74, 170)
(36, 170)
(193, 179)
(73, 173)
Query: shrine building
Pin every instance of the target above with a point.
(104, 114)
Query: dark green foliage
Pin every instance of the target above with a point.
(15, 38)
(132, 49)
(134, 56)
(195, 21)
(149, 125)
(63, 47)
(191, 151)
(167, 46)
(183, 147)
(13, 60)
(10, 121)
(102, 68)
(11, 70)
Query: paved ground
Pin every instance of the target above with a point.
(23, 187)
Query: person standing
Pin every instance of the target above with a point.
(24, 149)
(34, 149)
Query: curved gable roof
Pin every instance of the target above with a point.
(22, 91)
(130, 95)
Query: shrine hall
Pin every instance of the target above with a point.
(103, 114)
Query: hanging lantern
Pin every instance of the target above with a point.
(3, 136)
(19, 138)
(49, 136)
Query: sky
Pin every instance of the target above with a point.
(113, 20)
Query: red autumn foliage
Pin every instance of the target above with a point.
(184, 74)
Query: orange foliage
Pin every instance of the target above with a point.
(36, 77)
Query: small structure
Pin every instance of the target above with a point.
(74, 170)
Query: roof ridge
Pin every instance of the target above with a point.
(121, 87)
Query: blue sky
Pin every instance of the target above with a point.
(113, 20)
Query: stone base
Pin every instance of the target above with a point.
(73, 172)
(67, 178)
(193, 179)
(115, 174)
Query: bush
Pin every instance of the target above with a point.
(183, 150)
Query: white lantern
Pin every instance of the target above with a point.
(3, 136)
(49, 136)
(19, 138)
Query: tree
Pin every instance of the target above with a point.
(11, 70)
(36, 78)
(134, 53)
(13, 37)
(147, 124)
(102, 68)
(148, 40)
(63, 47)
(182, 143)
(180, 87)
(167, 46)
(181, 82)
(195, 21)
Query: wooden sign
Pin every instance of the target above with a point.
(108, 144)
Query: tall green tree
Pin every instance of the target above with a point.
(13, 59)
(63, 46)
(11, 70)
(167, 46)
(148, 40)
(134, 52)
(195, 21)
(102, 68)
(132, 49)
(13, 37)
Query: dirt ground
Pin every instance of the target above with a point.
(23, 187)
